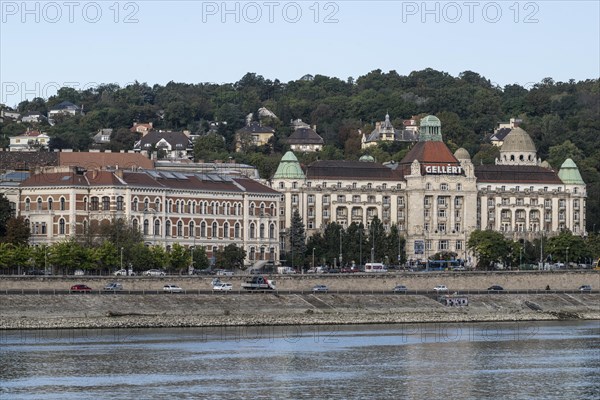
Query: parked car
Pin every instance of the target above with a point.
(320, 288)
(34, 272)
(585, 288)
(224, 272)
(222, 286)
(155, 272)
(172, 289)
(113, 287)
(440, 288)
(124, 272)
(80, 288)
(495, 288)
(400, 289)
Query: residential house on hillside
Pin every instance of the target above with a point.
(503, 129)
(65, 108)
(253, 134)
(142, 128)
(33, 117)
(102, 137)
(305, 139)
(29, 141)
(9, 114)
(385, 132)
(174, 145)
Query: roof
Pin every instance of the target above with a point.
(430, 152)
(499, 135)
(289, 168)
(357, 170)
(256, 127)
(462, 154)
(24, 161)
(515, 174)
(173, 138)
(517, 141)
(569, 173)
(92, 160)
(65, 105)
(305, 136)
(150, 178)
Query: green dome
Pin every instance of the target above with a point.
(366, 158)
(569, 173)
(289, 168)
(431, 120)
(430, 129)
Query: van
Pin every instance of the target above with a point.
(375, 267)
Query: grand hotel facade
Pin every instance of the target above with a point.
(435, 197)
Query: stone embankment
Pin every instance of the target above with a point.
(203, 310)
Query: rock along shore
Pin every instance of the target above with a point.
(171, 310)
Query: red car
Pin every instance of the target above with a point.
(81, 288)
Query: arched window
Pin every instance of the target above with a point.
(94, 204)
(262, 231)
(106, 203)
(134, 205)
(135, 224)
(157, 205)
(215, 230)
(156, 227)
(252, 227)
(167, 228)
(27, 204)
(50, 203)
(226, 230)
(192, 228)
(120, 203)
(39, 203)
(146, 226)
(272, 231)
(252, 253)
(179, 228)
(146, 204)
(236, 231)
(226, 209)
(61, 227)
(203, 229)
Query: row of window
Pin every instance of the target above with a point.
(533, 202)
(444, 244)
(338, 185)
(530, 189)
(62, 204)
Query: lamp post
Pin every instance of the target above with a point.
(360, 245)
(373, 242)
(126, 272)
(45, 260)
(340, 246)
(567, 263)
(313, 267)
(520, 257)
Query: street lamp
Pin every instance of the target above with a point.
(340, 246)
(313, 260)
(567, 263)
(126, 272)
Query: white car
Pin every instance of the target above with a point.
(440, 288)
(224, 272)
(123, 272)
(172, 289)
(221, 286)
(154, 272)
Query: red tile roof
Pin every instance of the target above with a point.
(430, 152)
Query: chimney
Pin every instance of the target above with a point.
(315, 127)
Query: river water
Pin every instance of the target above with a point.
(532, 360)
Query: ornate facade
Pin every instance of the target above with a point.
(168, 207)
(436, 198)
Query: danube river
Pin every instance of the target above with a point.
(533, 360)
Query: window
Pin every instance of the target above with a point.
(146, 205)
(236, 230)
(443, 245)
(120, 203)
(442, 213)
(168, 228)
(458, 187)
(27, 204)
(281, 185)
(94, 204)
(156, 227)
(39, 203)
(371, 199)
(192, 229)
(442, 227)
(441, 201)
(203, 229)
(459, 245)
(252, 227)
(428, 186)
(179, 228)
(215, 229)
(226, 230)
(356, 199)
(444, 186)
(294, 185)
(326, 199)
(146, 226)
(105, 203)
(262, 231)
(311, 199)
(295, 199)
(157, 205)
(50, 204)
(272, 231)
(61, 227)
(520, 201)
(134, 205)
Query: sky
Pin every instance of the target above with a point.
(46, 45)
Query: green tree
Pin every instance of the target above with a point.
(199, 257)
(231, 256)
(179, 258)
(17, 231)
(297, 240)
(489, 247)
(5, 214)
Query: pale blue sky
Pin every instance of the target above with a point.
(50, 44)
